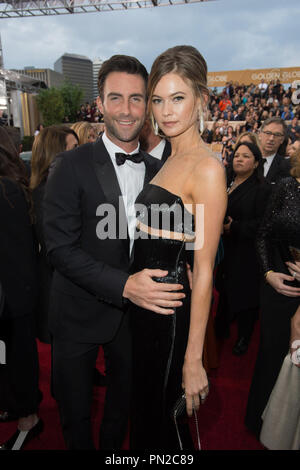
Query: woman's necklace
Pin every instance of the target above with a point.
(232, 186)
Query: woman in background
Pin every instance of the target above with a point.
(19, 395)
(85, 132)
(278, 246)
(238, 273)
(49, 142)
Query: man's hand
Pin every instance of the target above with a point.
(151, 295)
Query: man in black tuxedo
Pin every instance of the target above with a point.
(89, 230)
(272, 133)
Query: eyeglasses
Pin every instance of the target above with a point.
(275, 134)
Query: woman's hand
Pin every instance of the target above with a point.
(276, 281)
(226, 226)
(195, 384)
(294, 269)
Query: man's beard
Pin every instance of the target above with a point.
(122, 135)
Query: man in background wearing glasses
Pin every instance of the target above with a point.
(272, 134)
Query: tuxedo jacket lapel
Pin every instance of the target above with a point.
(107, 178)
(153, 165)
(166, 152)
(273, 168)
(106, 174)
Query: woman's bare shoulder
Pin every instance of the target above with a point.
(208, 164)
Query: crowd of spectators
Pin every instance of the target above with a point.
(89, 112)
(239, 108)
(236, 109)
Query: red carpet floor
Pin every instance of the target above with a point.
(220, 418)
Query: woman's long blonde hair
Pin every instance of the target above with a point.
(83, 129)
(252, 137)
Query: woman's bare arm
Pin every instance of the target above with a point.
(208, 192)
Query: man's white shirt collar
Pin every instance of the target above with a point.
(158, 150)
(130, 177)
(113, 148)
(268, 163)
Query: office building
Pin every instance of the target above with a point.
(48, 76)
(77, 69)
(96, 67)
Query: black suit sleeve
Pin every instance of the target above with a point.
(62, 229)
(265, 232)
(248, 228)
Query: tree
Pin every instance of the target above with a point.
(72, 97)
(51, 104)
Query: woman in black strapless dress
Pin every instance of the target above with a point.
(180, 215)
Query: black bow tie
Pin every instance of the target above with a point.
(122, 157)
(264, 160)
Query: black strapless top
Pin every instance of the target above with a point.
(164, 226)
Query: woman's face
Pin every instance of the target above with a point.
(174, 105)
(244, 162)
(71, 142)
(91, 135)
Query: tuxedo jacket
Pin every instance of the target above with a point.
(86, 302)
(280, 168)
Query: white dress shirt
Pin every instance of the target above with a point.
(131, 180)
(158, 151)
(268, 163)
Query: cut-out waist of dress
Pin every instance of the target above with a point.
(168, 255)
(165, 233)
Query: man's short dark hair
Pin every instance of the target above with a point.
(120, 63)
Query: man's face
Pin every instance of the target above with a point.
(271, 137)
(123, 106)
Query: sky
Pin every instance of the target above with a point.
(230, 34)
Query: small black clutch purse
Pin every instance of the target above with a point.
(178, 410)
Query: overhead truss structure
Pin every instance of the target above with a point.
(21, 9)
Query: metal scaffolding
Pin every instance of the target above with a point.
(21, 9)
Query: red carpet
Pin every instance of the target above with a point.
(220, 418)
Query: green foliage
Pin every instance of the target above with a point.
(72, 98)
(51, 104)
(60, 104)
